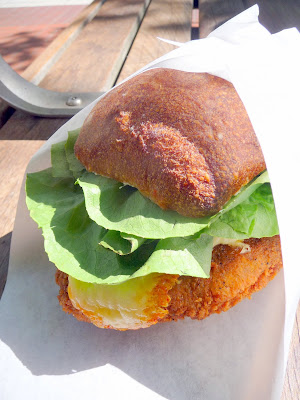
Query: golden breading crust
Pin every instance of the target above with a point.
(62, 281)
(182, 139)
(234, 276)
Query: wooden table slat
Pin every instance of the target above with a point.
(277, 15)
(213, 14)
(37, 70)
(42, 64)
(170, 19)
(105, 42)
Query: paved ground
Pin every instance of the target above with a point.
(28, 26)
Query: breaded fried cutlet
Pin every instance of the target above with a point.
(234, 276)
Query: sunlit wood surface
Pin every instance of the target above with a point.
(92, 59)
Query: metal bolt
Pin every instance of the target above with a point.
(73, 101)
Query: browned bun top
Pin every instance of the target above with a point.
(182, 139)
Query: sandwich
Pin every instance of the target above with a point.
(159, 207)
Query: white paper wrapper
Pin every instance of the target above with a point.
(240, 354)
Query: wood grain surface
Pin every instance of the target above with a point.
(277, 15)
(168, 19)
(214, 13)
(93, 61)
(105, 43)
(42, 64)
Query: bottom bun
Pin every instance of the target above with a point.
(234, 276)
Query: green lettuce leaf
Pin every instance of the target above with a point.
(182, 256)
(102, 231)
(75, 165)
(246, 191)
(121, 243)
(71, 237)
(60, 165)
(122, 208)
(255, 217)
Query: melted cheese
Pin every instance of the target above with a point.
(136, 303)
(232, 242)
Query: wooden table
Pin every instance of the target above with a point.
(106, 43)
